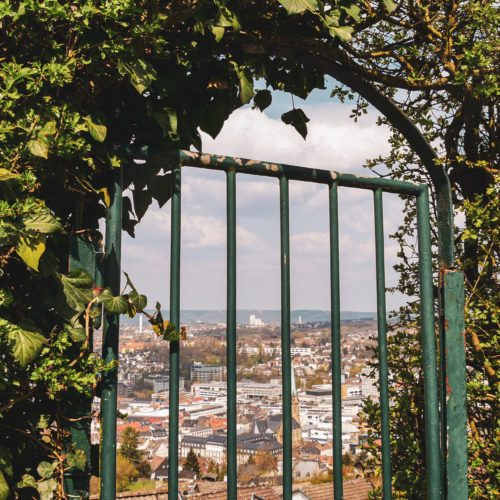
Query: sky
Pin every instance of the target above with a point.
(334, 142)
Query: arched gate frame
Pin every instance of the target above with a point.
(444, 388)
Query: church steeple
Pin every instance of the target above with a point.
(296, 426)
(295, 399)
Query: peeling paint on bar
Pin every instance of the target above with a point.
(293, 172)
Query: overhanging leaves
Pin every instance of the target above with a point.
(161, 188)
(298, 6)
(342, 32)
(390, 5)
(142, 200)
(246, 85)
(141, 74)
(96, 130)
(263, 99)
(298, 119)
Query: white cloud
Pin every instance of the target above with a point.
(334, 142)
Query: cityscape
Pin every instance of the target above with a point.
(143, 393)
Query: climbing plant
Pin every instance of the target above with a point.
(90, 87)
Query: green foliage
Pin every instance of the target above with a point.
(126, 473)
(191, 462)
(129, 447)
(89, 87)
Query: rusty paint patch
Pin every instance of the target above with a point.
(446, 324)
(448, 387)
(205, 159)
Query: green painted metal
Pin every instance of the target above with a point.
(111, 330)
(429, 345)
(286, 360)
(175, 313)
(456, 461)
(78, 407)
(338, 487)
(232, 415)
(382, 344)
(450, 306)
(292, 172)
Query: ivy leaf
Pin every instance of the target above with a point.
(298, 6)
(77, 288)
(4, 487)
(141, 74)
(27, 343)
(46, 488)
(27, 481)
(48, 129)
(6, 461)
(168, 121)
(77, 334)
(212, 120)
(353, 10)
(30, 249)
(142, 200)
(39, 147)
(45, 469)
(113, 304)
(246, 85)
(77, 459)
(298, 119)
(105, 196)
(263, 99)
(218, 32)
(342, 32)
(43, 222)
(390, 5)
(161, 188)
(139, 301)
(7, 175)
(97, 131)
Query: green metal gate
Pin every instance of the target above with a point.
(444, 393)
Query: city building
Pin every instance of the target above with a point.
(255, 390)
(254, 321)
(206, 373)
(368, 384)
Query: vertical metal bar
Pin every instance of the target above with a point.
(77, 407)
(429, 346)
(232, 468)
(456, 400)
(111, 331)
(286, 360)
(382, 344)
(175, 280)
(338, 487)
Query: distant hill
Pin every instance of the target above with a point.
(190, 316)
